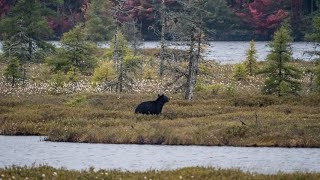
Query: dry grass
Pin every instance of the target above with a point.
(45, 172)
(207, 120)
(223, 112)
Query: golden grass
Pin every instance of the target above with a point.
(215, 120)
(46, 172)
(223, 112)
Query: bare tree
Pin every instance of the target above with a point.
(190, 24)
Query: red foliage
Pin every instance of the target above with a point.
(263, 15)
(5, 6)
(140, 9)
(69, 17)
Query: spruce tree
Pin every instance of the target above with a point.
(27, 18)
(314, 36)
(77, 53)
(282, 77)
(13, 71)
(251, 60)
(99, 22)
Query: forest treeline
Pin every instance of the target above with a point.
(27, 24)
(227, 19)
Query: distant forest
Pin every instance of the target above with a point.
(228, 19)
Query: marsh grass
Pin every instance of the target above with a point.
(223, 112)
(207, 120)
(46, 172)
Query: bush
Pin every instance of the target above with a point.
(13, 71)
(104, 72)
(60, 78)
(230, 89)
(258, 101)
(208, 88)
(76, 101)
(240, 72)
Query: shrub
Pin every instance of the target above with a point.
(76, 101)
(240, 72)
(104, 72)
(230, 89)
(208, 88)
(13, 71)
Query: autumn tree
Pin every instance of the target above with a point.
(282, 77)
(264, 16)
(5, 6)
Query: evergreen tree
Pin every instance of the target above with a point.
(78, 51)
(315, 37)
(13, 71)
(281, 75)
(99, 21)
(251, 60)
(26, 20)
(240, 72)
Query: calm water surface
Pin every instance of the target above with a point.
(22, 150)
(231, 51)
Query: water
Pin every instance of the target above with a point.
(232, 51)
(28, 150)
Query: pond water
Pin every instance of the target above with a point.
(231, 51)
(29, 150)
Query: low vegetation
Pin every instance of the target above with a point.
(46, 172)
(207, 120)
(224, 111)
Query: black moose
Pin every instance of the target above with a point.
(152, 107)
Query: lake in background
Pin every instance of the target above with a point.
(226, 52)
(29, 150)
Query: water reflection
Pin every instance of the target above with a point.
(18, 150)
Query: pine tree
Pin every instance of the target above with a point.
(99, 22)
(26, 18)
(78, 51)
(13, 71)
(251, 60)
(315, 37)
(282, 78)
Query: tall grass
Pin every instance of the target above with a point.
(207, 120)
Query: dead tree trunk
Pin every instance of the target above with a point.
(191, 79)
(162, 58)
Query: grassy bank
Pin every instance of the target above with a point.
(223, 111)
(207, 120)
(45, 172)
